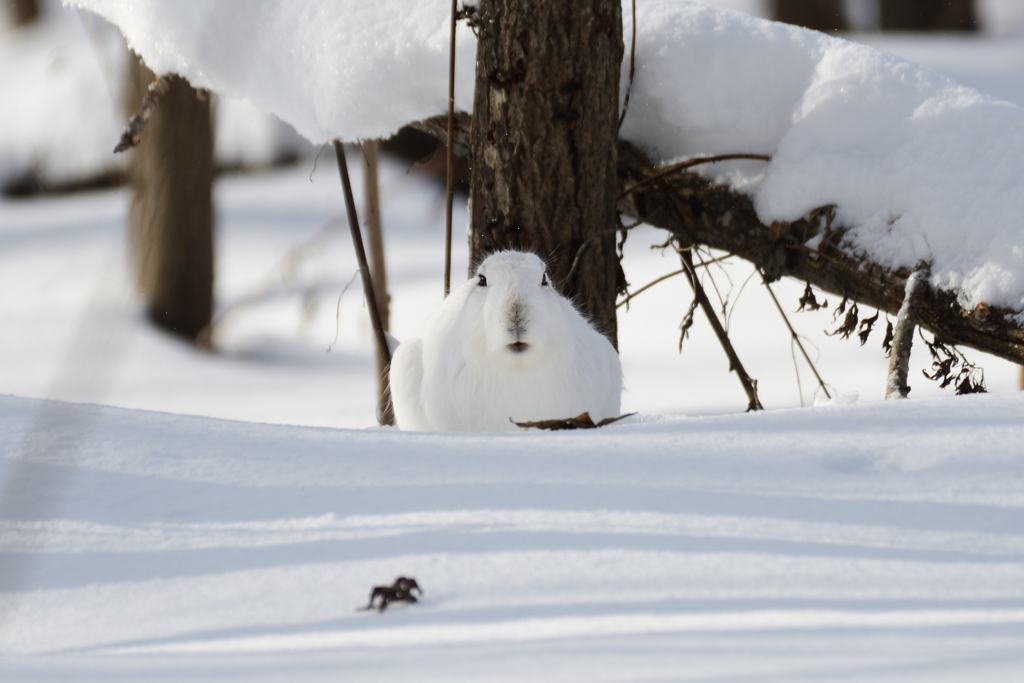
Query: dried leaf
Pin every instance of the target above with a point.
(809, 302)
(840, 310)
(686, 324)
(890, 334)
(849, 325)
(866, 326)
(581, 421)
(950, 366)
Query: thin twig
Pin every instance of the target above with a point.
(632, 295)
(796, 371)
(586, 243)
(689, 164)
(136, 124)
(632, 69)
(736, 301)
(450, 144)
(337, 312)
(357, 242)
(315, 159)
(749, 385)
(796, 338)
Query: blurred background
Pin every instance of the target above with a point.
(209, 271)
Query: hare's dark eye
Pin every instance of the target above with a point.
(483, 281)
(544, 281)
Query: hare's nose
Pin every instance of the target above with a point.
(518, 347)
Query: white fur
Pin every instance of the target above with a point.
(463, 375)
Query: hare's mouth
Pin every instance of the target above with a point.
(518, 347)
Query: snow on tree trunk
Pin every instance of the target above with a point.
(820, 15)
(903, 334)
(545, 124)
(170, 227)
(918, 15)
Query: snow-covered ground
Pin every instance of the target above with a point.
(846, 541)
(852, 539)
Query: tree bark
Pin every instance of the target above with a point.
(701, 212)
(23, 11)
(927, 15)
(545, 120)
(820, 15)
(170, 223)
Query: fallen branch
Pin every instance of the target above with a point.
(136, 124)
(701, 212)
(683, 165)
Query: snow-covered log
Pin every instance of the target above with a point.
(715, 215)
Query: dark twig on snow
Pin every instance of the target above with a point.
(400, 591)
(130, 136)
(903, 335)
(749, 385)
(364, 268)
(795, 336)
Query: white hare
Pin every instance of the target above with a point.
(504, 346)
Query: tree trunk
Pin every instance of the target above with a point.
(23, 11)
(170, 223)
(543, 140)
(820, 15)
(925, 15)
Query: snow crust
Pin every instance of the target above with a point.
(920, 168)
(833, 540)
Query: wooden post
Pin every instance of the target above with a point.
(170, 223)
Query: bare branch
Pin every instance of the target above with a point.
(136, 124)
(796, 339)
(749, 385)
